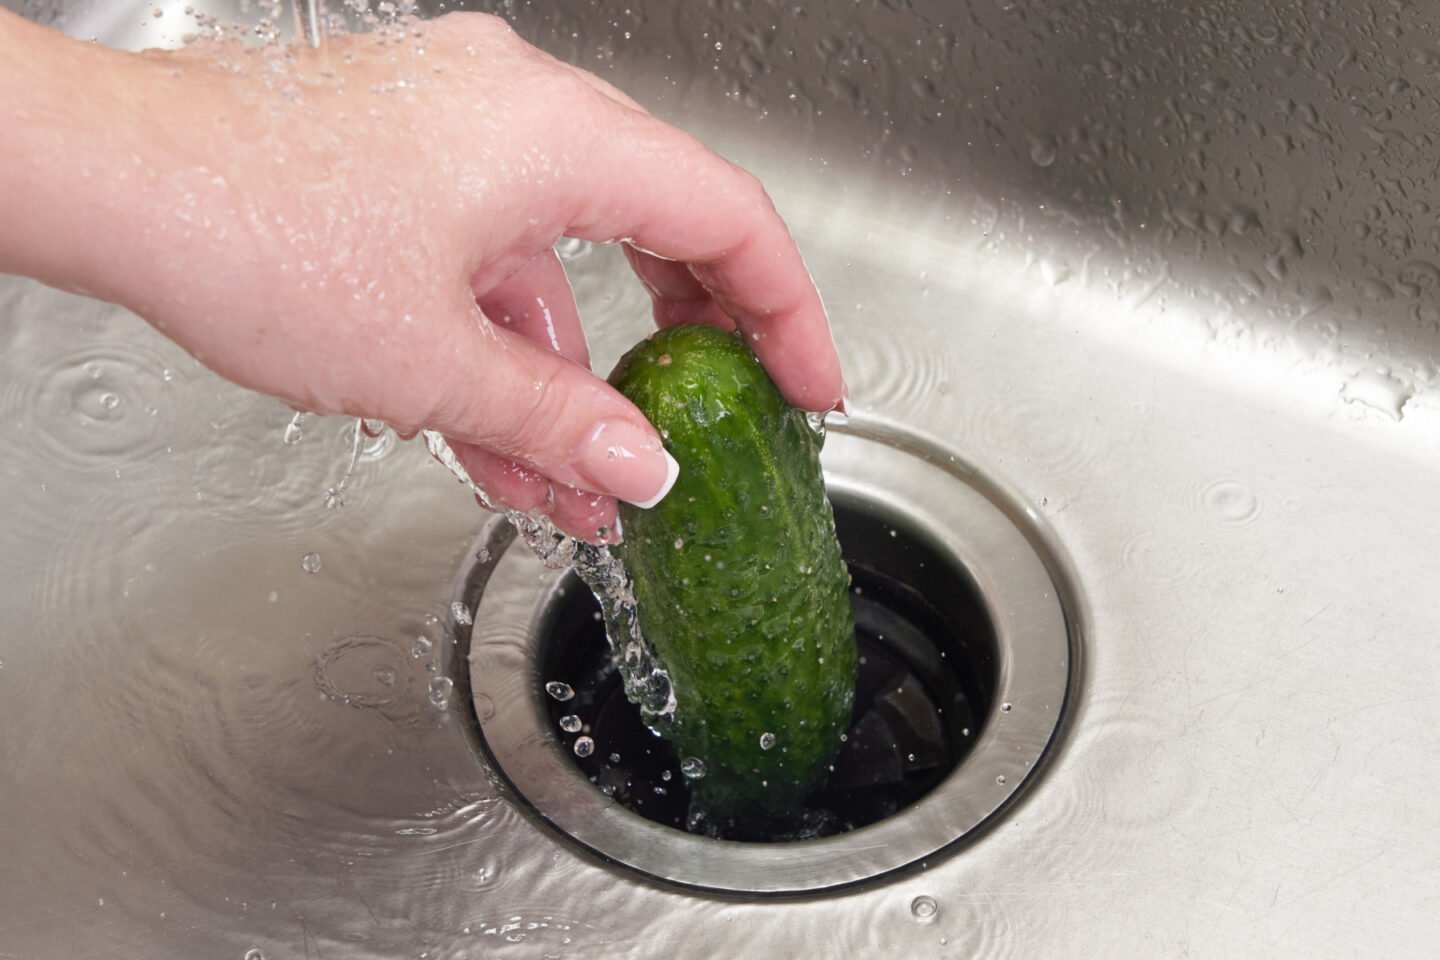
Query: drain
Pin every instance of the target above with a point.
(966, 657)
(926, 685)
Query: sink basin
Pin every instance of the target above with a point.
(1168, 277)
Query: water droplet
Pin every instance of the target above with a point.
(1378, 390)
(440, 688)
(1232, 502)
(1006, 707)
(570, 723)
(293, 429)
(767, 740)
(693, 767)
(254, 954)
(584, 746)
(560, 691)
(924, 908)
(1042, 151)
(460, 613)
(310, 563)
(1000, 779)
(422, 646)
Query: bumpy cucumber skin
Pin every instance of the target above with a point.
(737, 575)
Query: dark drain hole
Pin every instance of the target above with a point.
(927, 681)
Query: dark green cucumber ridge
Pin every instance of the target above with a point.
(737, 573)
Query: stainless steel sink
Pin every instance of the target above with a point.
(1168, 275)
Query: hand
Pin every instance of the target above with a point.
(368, 230)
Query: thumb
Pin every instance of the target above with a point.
(532, 405)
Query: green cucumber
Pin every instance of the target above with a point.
(737, 576)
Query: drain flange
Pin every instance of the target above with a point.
(983, 630)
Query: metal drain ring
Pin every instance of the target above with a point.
(916, 490)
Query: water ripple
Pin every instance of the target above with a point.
(1119, 776)
(886, 375)
(1230, 501)
(1040, 430)
(1159, 562)
(95, 406)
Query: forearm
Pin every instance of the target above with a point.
(68, 157)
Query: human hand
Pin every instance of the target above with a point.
(369, 230)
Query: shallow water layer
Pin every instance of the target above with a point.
(208, 750)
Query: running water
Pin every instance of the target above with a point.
(647, 685)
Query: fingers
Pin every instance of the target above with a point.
(537, 303)
(505, 482)
(678, 296)
(673, 198)
(580, 513)
(586, 515)
(524, 402)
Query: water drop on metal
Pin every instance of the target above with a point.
(440, 688)
(924, 908)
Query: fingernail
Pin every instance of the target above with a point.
(622, 459)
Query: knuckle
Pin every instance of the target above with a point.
(526, 432)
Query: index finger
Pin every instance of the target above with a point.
(668, 195)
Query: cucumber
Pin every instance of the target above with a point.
(737, 575)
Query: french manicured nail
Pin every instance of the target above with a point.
(621, 459)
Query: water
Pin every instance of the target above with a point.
(646, 683)
(247, 760)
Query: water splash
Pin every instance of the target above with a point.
(646, 683)
(294, 430)
(335, 495)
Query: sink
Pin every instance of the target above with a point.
(1167, 278)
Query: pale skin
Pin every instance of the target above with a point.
(369, 230)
